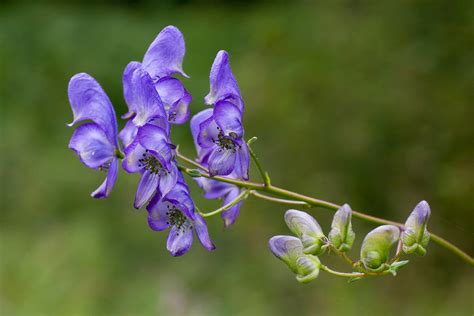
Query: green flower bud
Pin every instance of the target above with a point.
(341, 235)
(415, 237)
(308, 230)
(308, 268)
(375, 250)
(289, 249)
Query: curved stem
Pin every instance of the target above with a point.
(279, 201)
(265, 176)
(316, 202)
(242, 196)
(344, 274)
(343, 255)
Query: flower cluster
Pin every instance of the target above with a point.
(300, 252)
(156, 100)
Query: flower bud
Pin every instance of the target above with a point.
(307, 229)
(341, 235)
(376, 246)
(289, 249)
(308, 268)
(415, 237)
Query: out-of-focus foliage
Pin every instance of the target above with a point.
(365, 102)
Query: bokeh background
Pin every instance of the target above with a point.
(366, 102)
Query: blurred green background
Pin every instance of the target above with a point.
(366, 102)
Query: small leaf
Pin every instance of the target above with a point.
(397, 265)
(194, 173)
(354, 279)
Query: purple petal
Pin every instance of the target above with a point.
(106, 187)
(168, 180)
(420, 214)
(89, 102)
(180, 197)
(165, 55)
(179, 242)
(242, 163)
(222, 162)
(144, 98)
(202, 233)
(229, 118)
(170, 90)
(208, 133)
(179, 111)
(91, 144)
(128, 133)
(196, 122)
(175, 99)
(157, 209)
(133, 153)
(146, 187)
(223, 83)
(127, 88)
(154, 138)
(286, 248)
(213, 189)
(231, 214)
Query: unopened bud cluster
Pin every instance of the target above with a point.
(301, 253)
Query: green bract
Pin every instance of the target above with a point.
(375, 250)
(341, 235)
(415, 237)
(307, 229)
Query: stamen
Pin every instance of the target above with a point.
(172, 116)
(105, 166)
(178, 219)
(226, 142)
(151, 163)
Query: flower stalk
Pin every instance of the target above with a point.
(313, 202)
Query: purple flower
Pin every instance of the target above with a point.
(163, 58)
(218, 136)
(94, 142)
(215, 189)
(151, 154)
(176, 210)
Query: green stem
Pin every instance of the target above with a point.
(242, 196)
(343, 255)
(343, 274)
(279, 201)
(265, 176)
(316, 202)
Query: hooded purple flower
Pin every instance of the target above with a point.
(151, 154)
(176, 210)
(218, 132)
(163, 58)
(94, 142)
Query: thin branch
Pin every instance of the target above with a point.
(265, 176)
(344, 274)
(242, 196)
(279, 201)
